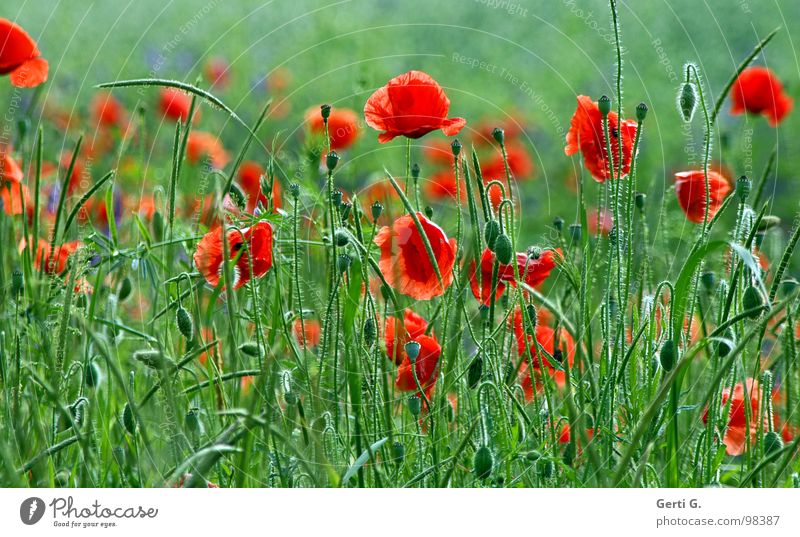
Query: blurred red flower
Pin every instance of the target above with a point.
(343, 126)
(411, 105)
(310, 328)
(204, 144)
(519, 162)
(441, 186)
(217, 72)
(759, 91)
(546, 338)
(250, 173)
(690, 187)
(20, 56)
(208, 256)
(107, 111)
(49, 261)
(176, 104)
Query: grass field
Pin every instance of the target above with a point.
(587, 321)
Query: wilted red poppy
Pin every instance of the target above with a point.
(546, 337)
(176, 104)
(690, 187)
(441, 186)
(484, 292)
(757, 90)
(204, 144)
(397, 334)
(49, 261)
(425, 366)
(217, 72)
(405, 263)
(20, 57)
(311, 329)
(208, 256)
(519, 162)
(586, 135)
(411, 105)
(343, 126)
(107, 111)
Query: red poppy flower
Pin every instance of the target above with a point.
(20, 57)
(9, 169)
(12, 193)
(586, 135)
(564, 436)
(404, 259)
(49, 261)
(757, 90)
(279, 79)
(690, 187)
(217, 72)
(484, 293)
(532, 271)
(411, 105)
(546, 337)
(425, 366)
(441, 186)
(107, 111)
(176, 104)
(519, 162)
(396, 335)
(204, 144)
(311, 328)
(208, 256)
(342, 126)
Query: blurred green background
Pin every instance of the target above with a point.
(536, 57)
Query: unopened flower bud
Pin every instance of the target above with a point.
(558, 223)
(687, 101)
(491, 230)
(667, 355)
(184, 321)
(639, 199)
(429, 211)
(370, 332)
(752, 299)
(343, 263)
(743, 186)
(483, 462)
(503, 249)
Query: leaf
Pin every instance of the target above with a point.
(362, 459)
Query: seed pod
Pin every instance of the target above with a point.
(456, 147)
(491, 230)
(336, 198)
(17, 282)
(185, 324)
(604, 104)
(370, 332)
(93, 376)
(687, 101)
(250, 348)
(192, 421)
(294, 190)
(499, 135)
(558, 223)
(772, 443)
(667, 355)
(325, 112)
(639, 199)
(331, 160)
(415, 171)
(345, 208)
(414, 405)
(398, 452)
(503, 249)
(482, 463)
(641, 112)
(412, 350)
(128, 420)
(743, 186)
(376, 209)
(125, 288)
(752, 299)
(475, 371)
(341, 238)
(575, 232)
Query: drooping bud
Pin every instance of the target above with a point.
(124, 290)
(531, 319)
(772, 443)
(491, 230)
(370, 332)
(768, 222)
(604, 104)
(709, 280)
(429, 211)
(92, 376)
(667, 355)
(184, 321)
(152, 358)
(639, 199)
(752, 299)
(483, 462)
(743, 186)
(475, 371)
(687, 101)
(192, 421)
(503, 249)
(331, 160)
(250, 348)
(456, 147)
(398, 452)
(641, 112)
(128, 421)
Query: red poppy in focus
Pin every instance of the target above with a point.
(176, 105)
(107, 111)
(532, 271)
(441, 186)
(342, 126)
(217, 72)
(405, 263)
(424, 366)
(484, 293)
(208, 256)
(519, 162)
(307, 332)
(20, 57)
(396, 335)
(250, 173)
(411, 105)
(690, 187)
(757, 90)
(204, 144)
(586, 135)
(48, 261)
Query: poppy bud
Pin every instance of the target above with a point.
(483, 310)
(482, 463)
(398, 452)
(456, 147)
(604, 104)
(475, 371)
(743, 185)
(687, 101)
(386, 292)
(414, 405)
(376, 209)
(325, 111)
(128, 420)
(331, 160)
(575, 232)
(752, 299)
(723, 348)
(499, 135)
(708, 279)
(768, 222)
(667, 355)
(429, 211)
(17, 282)
(502, 247)
(158, 226)
(291, 398)
(788, 286)
(250, 348)
(641, 112)
(346, 207)
(530, 309)
(545, 467)
(152, 358)
(336, 198)
(184, 321)
(125, 288)
(558, 223)
(92, 377)
(639, 200)
(343, 263)
(772, 443)
(412, 350)
(491, 230)
(294, 189)
(370, 332)
(341, 237)
(192, 420)
(415, 171)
